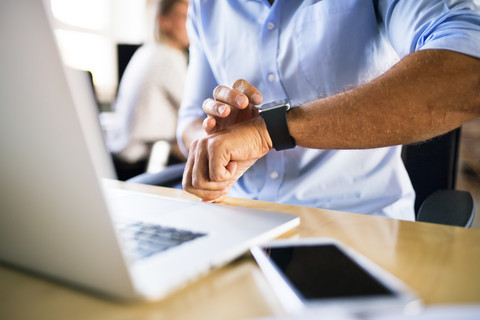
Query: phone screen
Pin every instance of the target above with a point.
(325, 271)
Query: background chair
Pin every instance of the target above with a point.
(125, 52)
(170, 176)
(433, 166)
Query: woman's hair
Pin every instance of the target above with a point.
(164, 8)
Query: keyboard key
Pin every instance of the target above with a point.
(142, 240)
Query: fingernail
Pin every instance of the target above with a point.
(221, 109)
(257, 99)
(242, 101)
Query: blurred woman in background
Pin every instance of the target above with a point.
(150, 94)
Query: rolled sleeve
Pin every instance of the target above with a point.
(425, 24)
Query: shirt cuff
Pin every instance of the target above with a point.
(463, 44)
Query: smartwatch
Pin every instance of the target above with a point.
(275, 116)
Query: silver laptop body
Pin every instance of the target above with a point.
(57, 219)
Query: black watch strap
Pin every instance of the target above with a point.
(276, 121)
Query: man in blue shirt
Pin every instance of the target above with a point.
(364, 77)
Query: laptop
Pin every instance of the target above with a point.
(57, 217)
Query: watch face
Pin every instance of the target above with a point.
(274, 105)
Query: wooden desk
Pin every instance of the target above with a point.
(441, 263)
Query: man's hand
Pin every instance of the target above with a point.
(230, 106)
(217, 161)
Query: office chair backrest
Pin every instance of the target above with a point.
(432, 165)
(125, 52)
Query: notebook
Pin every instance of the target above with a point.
(57, 217)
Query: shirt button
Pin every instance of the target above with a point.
(274, 175)
(271, 77)
(270, 26)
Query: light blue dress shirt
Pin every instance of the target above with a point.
(305, 50)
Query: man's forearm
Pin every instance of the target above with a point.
(192, 132)
(426, 94)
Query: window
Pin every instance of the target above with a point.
(87, 32)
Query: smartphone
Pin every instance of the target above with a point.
(320, 273)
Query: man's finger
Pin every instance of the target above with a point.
(215, 108)
(215, 194)
(199, 174)
(200, 166)
(254, 96)
(220, 167)
(187, 172)
(231, 97)
(209, 124)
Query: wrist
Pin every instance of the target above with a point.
(262, 129)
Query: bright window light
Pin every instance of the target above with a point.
(89, 14)
(87, 51)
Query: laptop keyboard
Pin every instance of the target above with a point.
(142, 240)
